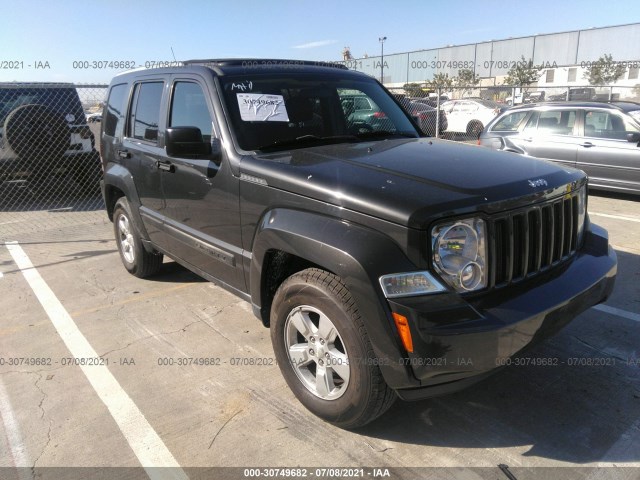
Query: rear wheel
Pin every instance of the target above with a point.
(134, 257)
(324, 352)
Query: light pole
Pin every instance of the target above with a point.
(381, 40)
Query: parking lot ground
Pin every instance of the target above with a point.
(236, 409)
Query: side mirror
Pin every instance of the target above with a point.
(186, 142)
(633, 137)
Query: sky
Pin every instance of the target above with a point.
(52, 41)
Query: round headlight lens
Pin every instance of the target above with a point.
(458, 241)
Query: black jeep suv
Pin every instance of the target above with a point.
(383, 262)
(44, 136)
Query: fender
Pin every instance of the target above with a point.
(356, 254)
(119, 177)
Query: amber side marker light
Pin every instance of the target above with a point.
(402, 324)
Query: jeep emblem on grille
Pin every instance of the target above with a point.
(540, 182)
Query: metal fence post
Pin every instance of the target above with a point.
(438, 114)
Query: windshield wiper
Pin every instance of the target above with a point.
(309, 139)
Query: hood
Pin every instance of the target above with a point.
(413, 181)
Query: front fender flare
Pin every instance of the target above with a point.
(358, 255)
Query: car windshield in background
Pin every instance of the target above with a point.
(278, 111)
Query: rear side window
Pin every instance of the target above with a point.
(115, 110)
(361, 103)
(602, 124)
(552, 122)
(510, 123)
(145, 111)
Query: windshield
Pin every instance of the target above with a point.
(635, 114)
(290, 110)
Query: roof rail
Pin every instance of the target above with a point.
(259, 62)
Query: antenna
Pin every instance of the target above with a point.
(174, 55)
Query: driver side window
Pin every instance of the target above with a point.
(189, 109)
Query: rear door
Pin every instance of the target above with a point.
(552, 134)
(604, 152)
(141, 152)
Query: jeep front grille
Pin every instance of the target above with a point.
(529, 241)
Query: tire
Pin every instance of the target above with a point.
(352, 391)
(474, 128)
(37, 134)
(135, 258)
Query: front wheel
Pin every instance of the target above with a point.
(324, 352)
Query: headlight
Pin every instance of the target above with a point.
(460, 253)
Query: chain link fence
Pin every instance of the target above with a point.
(50, 133)
(50, 167)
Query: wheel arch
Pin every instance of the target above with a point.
(118, 183)
(354, 253)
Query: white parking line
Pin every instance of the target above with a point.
(142, 438)
(618, 312)
(12, 429)
(617, 217)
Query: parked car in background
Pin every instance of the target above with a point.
(603, 139)
(425, 116)
(525, 97)
(575, 94)
(470, 115)
(94, 117)
(44, 136)
(368, 116)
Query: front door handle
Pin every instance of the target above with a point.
(587, 145)
(166, 166)
(124, 154)
(530, 139)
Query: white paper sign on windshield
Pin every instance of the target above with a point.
(259, 107)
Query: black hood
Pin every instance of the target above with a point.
(413, 181)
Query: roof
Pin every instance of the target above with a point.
(262, 63)
(624, 106)
(228, 66)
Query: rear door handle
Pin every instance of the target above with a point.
(124, 154)
(166, 166)
(587, 145)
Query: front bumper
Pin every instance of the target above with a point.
(458, 341)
